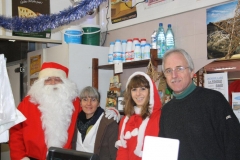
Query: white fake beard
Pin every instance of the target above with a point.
(55, 104)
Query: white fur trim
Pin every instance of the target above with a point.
(128, 135)
(140, 138)
(138, 153)
(151, 100)
(25, 158)
(118, 144)
(123, 142)
(134, 132)
(137, 110)
(52, 72)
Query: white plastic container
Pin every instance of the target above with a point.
(124, 45)
(117, 52)
(135, 41)
(143, 41)
(146, 53)
(110, 53)
(142, 48)
(137, 53)
(129, 50)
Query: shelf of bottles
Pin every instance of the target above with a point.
(136, 64)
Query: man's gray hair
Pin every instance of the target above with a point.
(181, 51)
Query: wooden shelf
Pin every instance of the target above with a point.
(128, 65)
(136, 64)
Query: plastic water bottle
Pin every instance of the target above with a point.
(153, 40)
(170, 43)
(110, 53)
(124, 45)
(161, 41)
(117, 52)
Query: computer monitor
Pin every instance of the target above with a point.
(55, 153)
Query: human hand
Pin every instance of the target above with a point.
(111, 112)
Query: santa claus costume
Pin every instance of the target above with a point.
(51, 112)
(133, 129)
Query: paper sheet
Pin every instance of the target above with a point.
(160, 148)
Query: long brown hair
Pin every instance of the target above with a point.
(135, 82)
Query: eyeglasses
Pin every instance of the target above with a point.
(178, 69)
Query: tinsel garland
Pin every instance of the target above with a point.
(44, 22)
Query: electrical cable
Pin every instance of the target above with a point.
(134, 5)
(107, 18)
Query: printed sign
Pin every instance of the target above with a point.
(236, 104)
(31, 9)
(35, 67)
(218, 82)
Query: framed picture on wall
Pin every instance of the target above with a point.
(222, 37)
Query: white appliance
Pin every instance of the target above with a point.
(78, 58)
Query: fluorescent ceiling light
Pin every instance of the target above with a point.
(12, 40)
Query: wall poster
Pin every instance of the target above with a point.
(30, 9)
(122, 11)
(218, 82)
(223, 31)
(35, 67)
(236, 104)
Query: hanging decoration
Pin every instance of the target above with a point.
(44, 22)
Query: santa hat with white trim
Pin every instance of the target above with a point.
(53, 69)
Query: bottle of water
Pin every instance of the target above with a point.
(153, 40)
(161, 41)
(169, 38)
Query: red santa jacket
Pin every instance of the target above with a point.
(132, 130)
(27, 138)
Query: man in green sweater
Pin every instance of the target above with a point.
(201, 119)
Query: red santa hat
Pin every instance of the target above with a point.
(53, 69)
